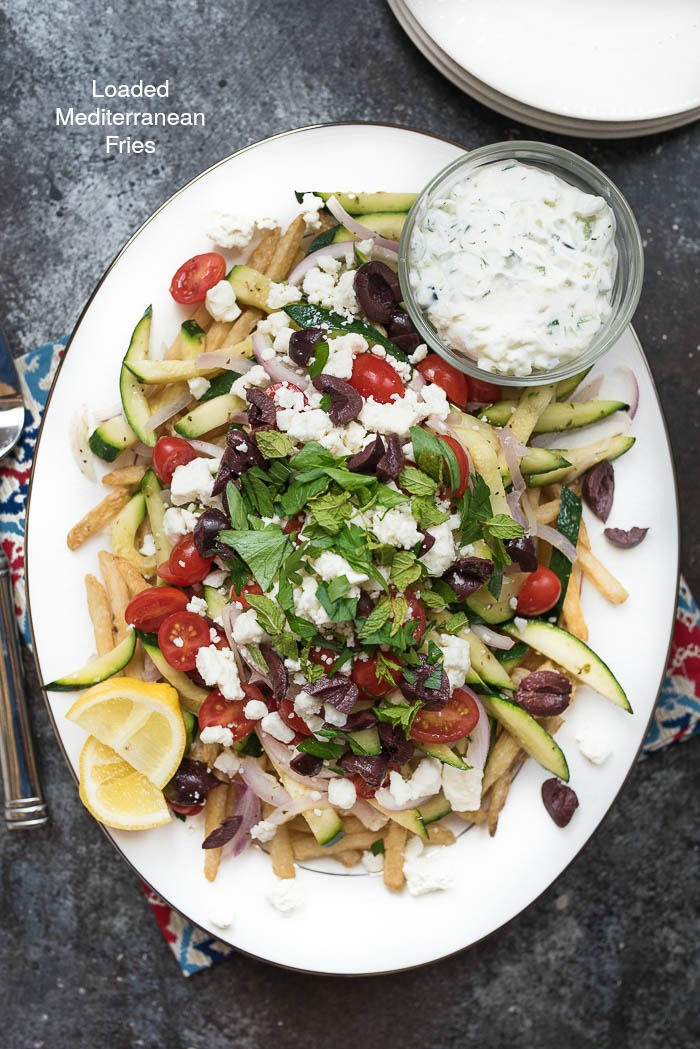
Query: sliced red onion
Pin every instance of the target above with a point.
(367, 815)
(478, 749)
(364, 232)
(491, 637)
(589, 391)
(633, 399)
(265, 786)
(386, 800)
(229, 617)
(231, 362)
(150, 670)
(516, 512)
(105, 415)
(281, 755)
(556, 539)
(248, 808)
(274, 367)
(513, 449)
(333, 251)
(417, 383)
(168, 410)
(80, 446)
(287, 812)
(207, 448)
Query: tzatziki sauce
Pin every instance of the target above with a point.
(514, 267)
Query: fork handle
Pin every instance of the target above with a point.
(24, 802)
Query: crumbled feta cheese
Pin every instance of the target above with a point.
(419, 354)
(228, 763)
(424, 781)
(148, 546)
(247, 629)
(401, 413)
(255, 710)
(286, 895)
(513, 602)
(217, 734)
(281, 340)
(426, 871)
(341, 354)
(215, 578)
(373, 864)
(593, 748)
(310, 207)
(334, 717)
(275, 727)
(273, 324)
(462, 788)
(306, 706)
(330, 566)
(365, 247)
(177, 521)
(257, 376)
(281, 295)
(230, 231)
(520, 624)
(341, 792)
(396, 527)
(221, 302)
(457, 660)
(197, 605)
(221, 919)
(307, 605)
(344, 440)
(436, 399)
(442, 553)
(218, 669)
(267, 222)
(198, 386)
(192, 482)
(324, 286)
(263, 831)
(309, 425)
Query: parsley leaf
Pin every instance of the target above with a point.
(263, 551)
(270, 615)
(313, 456)
(273, 445)
(258, 495)
(387, 497)
(401, 716)
(300, 492)
(416, 482)
(435, 457)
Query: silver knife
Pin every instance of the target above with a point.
(24, 802)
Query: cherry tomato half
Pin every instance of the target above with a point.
(148, 609)
(196, 276)
(452, 722)
(185, 566)
(484, 392)
(362, 789)
(240, 596)
(323, 657)
(541, 591)
(229, 713)
(462, 462)
(180, 638)
(168, 454)
(289, 717)
(184, 810)
(364, 675)
(453, 382)
(416, 610)
(374, 377)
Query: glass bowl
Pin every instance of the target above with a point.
(576, 171)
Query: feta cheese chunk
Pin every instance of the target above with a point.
(148, 546)
(341, 355)
(218, 670)
(198, 386)
(286, 895)
(257, 376)
(263, 831)
(426, 870)
(396, 527)
(197, 605)
(424, 781)
(334, 717)
(228, 763)
(342, 793)
(401, 413)
(442, 554)
(255, 710)
(310, 207)
(247, 629)
(192, 482)
(275, 727)
(330, 566)
(177, 521)
(462, 788)
(457, 660)
(373, 864)
(217, 734)
(221, 302)
(307, 605)
(229, 230)
(593, 747)
(281, 295)
(306, 706)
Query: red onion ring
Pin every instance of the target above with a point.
(248, 808)
(333, 251)
(512, 451)
(168, 410)
(491, 637)
(364, 232)
(262, 783)
(516, 510)
(633, 400)
(281, 755)
(589, 391)
(207, 448)
(274, 367)
(231, 362)
(556, 539)
(372, 819)
(386, 800)
(80, 446)
(286, 812)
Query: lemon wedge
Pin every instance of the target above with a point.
(115, 793)
(141, 721)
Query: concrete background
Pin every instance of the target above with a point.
(607, 957)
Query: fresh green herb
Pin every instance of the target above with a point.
(330, 510)
(455, 623)
(346, 737)
(427, 513)
(405, 569)
(300, 493)
(320, 359)
(399, 611)
(257, 657)
(321, 749)
(495, 583)
(325, 403)
(236, 509)
(387, 497)
(416, 482)
(270, 615)
(273, 444)
(431, 599)
(377, 847)
(401, 716)
(258, 495)
(219, 385)
(308, 316)
(435, 457)
(263, 551)
(341, 609)
(503, 527)
(313, 456)
(386, 669)
(376, 619)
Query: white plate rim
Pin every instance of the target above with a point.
(34, 653)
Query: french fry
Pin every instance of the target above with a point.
(307, 848)
(117, 592)
(572, 612)
(498, 795)
(124, 476)
(282, 854)
(262, 255)
(281, 262)
(225, 335)
(349, 858)
(131, 576)
(603, 580)
(394, 853)
(96, 519)
(479, 816)
(220, 804)
(505, 752)
(547, 513)
(438, 835)
(204, 752)
(100, 614)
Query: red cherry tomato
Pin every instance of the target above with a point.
(239, 596)
(168, 454)
(374, 377)
(452, 381)
(293, 527)
(272, 390)
(180, 638)
(185, 566)
(323, 657)
(184, 810)
(416, 610)
(462, 462)
(228, 713)
(541, 591)
(289, 717)
(453, 721)
(196, 276)
(485, 392)
(364, 675)
(148, 609)
(362, 789)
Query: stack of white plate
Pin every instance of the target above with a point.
(593, 68)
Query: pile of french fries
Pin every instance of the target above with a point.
(276, 255)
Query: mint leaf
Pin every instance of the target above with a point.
(312, 457)
(340, 610)
(330, 510)
(405, 569)
(236, 509)
(273, 445)
(257, 657)
(399, 611)
(387, 497)
(455, 623)
(320, 359)
(427, 513)
(377, 847)
(338, 587)
(431, 599)
(321, 749)
(401, 716)
(349, 481)
(377, 618)
(386, 669)
(495, 583)
(416, 482)
(270, 615)
(263, 551)
(503, 527)
(299, 493)
(258, 495)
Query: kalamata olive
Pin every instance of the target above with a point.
(366, 460)
(407, 343)
(598, 489)
(625, 537)
(559, 800)
(413, 685)
(223, 833)
(206, 531)
(372, 768)
(240, 455)
(378, 291)
(427, 544)
(544, 693)
(391, 463)
(395, 745)
(359, 720)
(522, 551)
(302, 345)
(467, 575)
(346, 402)
(338, 691)
(191, 783)
(306, 765)
(262, 414)
(365, 605)
(277, 672)
(400, 324)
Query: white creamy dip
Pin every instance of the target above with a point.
(515, 267)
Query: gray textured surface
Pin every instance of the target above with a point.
(607, 957)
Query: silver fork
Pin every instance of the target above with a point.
(24, 802)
